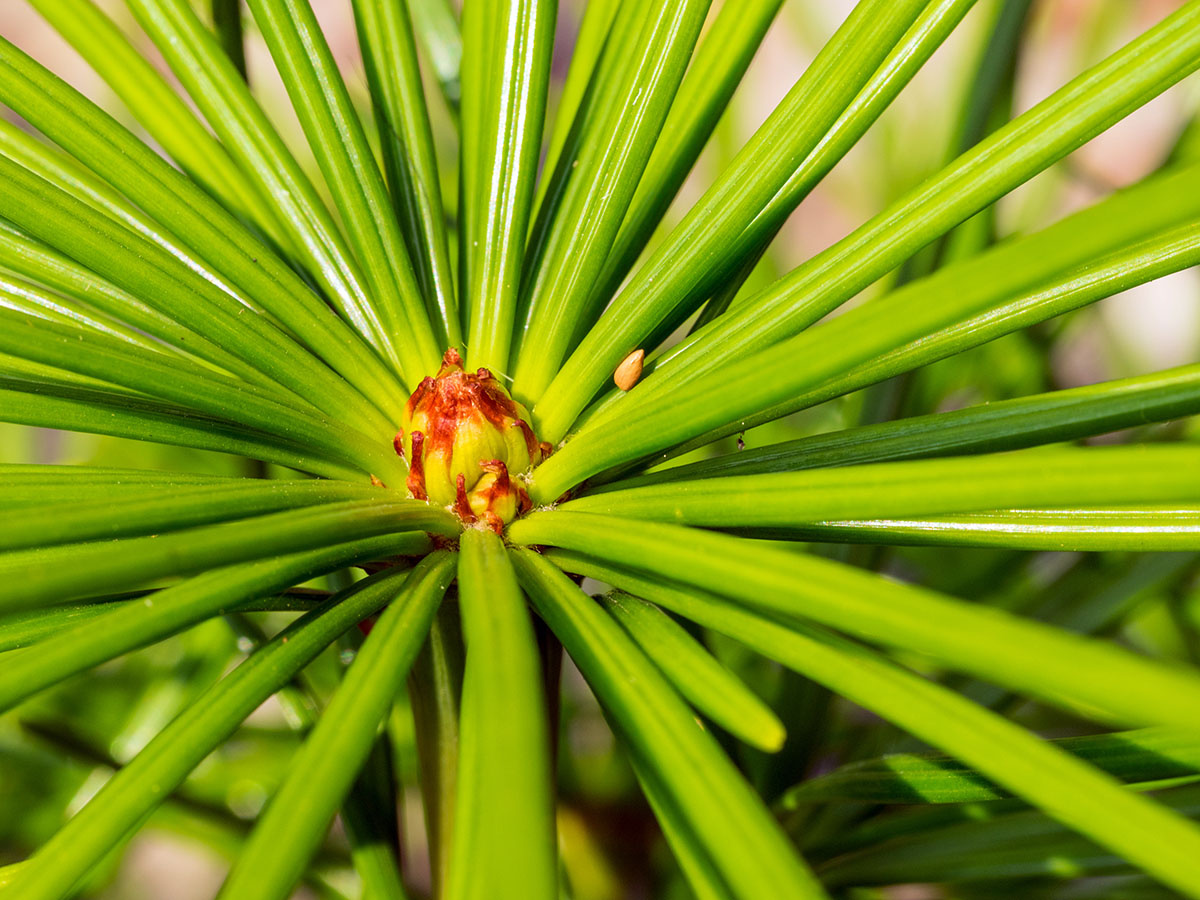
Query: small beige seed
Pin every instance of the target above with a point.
(630, 370)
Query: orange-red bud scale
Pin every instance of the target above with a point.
(468, 443)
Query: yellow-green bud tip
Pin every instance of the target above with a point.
(468, 443)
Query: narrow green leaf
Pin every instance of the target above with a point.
(992, 79)
(1084, 108)
(504, 837)
(58, 574)
(689, 851)
(92, 411)
(920, 819)
(506, 134)
(146, 511)
(1024, 845)
(32, 259)
(37, 332)
(158, 615)
(22, 489)
(67, 173)
(759, 171)
(1156, 529)
(158, 108)
(596, 65)
(1015, 153)
(99, 356)
(22, 629)
(156, 278)
(223, 98)
(37, 484)
(1187, 145)
(372, 825)
(14, 367)
(1071, 791)
(1128, 239)
(1093, 476)
(46, 474)
(336, 137)
(200, 223)
(562, 269)
(739, 836)
(1005, 425)
(1091, 599)
(228, 24)
(710, 687)
(437, 29)
(1148, 755)
(1173, 251)
(1089, 676)
(720, 62)
(435, 689)
(321, 773)
(578, 87)
(409, 156)
(987, 106)
(138, 787)
(476, 32)
(24, 297)
(48, 161)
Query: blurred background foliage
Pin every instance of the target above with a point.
(56, 750)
